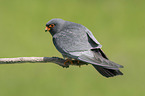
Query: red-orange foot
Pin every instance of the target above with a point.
(78, 63)
(68, 60)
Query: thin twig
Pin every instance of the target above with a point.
(56, 60)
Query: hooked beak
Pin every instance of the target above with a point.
(47, 29)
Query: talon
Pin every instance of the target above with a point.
(78, 61)
(68, 60)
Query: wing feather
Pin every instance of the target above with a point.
(95, 58)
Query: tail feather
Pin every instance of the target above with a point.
(107, 72)
(100, 61)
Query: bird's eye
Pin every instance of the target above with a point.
(51, 25)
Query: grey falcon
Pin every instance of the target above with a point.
(75, 41)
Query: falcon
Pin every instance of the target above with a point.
(75, 41)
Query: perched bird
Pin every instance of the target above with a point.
(75, 41)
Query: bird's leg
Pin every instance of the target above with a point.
(78, 63)
(68, 60)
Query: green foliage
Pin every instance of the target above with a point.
(117, 24)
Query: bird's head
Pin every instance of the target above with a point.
(54, 26)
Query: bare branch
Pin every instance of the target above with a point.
(56, 60)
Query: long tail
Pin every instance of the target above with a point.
(107, 72)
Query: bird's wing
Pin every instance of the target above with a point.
(92, 40)
(73, 40)
(95, 58)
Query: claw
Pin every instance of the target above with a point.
(68, 60)
(78, 63)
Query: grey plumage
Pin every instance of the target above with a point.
(75, 41)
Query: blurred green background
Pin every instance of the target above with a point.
(119, 25)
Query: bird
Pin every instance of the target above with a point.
(75, 41)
